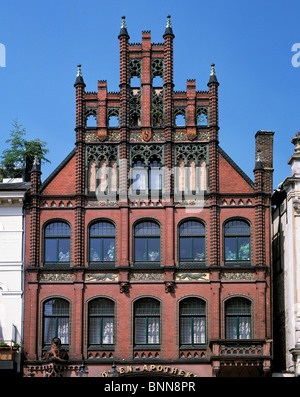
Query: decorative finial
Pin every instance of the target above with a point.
(79, 73)
(36, 160)
(169, 25)
(213, 77)
(123, 24)
(212, 72)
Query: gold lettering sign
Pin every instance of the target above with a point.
(161, 369)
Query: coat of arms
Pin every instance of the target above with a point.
(191, 133)
(146, 134)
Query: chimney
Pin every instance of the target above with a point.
(264, 151)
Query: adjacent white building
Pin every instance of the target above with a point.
(12, 195)
(286, 269)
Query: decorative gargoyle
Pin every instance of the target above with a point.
(56, 354)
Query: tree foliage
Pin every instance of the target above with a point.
(21, 152)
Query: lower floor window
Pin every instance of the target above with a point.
(101, 322)
(238, 318)
(56, 321)
(192, 321)
(147, 322)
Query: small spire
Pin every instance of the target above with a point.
(79, 78)
(123, 30)
(213, 76)
(169, 29)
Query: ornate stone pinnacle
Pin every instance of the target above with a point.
(296, 141)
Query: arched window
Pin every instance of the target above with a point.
(56, 321)
(139, 175)
(57, 242)
(155, 175)
(238, 318)
(147, 242)
(237, 241)
(191, 241)
(192, 321)
(147, 322)
(102, 242)
(101, 322)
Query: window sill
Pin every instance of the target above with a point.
(147, 347)
(101, 347)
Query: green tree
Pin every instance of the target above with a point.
(21, 152)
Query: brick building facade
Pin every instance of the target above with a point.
(148, 246)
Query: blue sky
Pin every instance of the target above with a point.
(250, 43)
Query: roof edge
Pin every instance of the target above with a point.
(57, 169)
(236, 167)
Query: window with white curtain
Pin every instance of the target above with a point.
(56, 321)
(101, 322)
(192, 321)
(238, 318)
(147, 322)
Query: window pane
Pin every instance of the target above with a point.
(139, 179)
(49, 329)
(50, 250)
(63, 249)
(244, 327)
(108, 249)
(185, 330)
(185, 248)
(198, 248)
(140, 330)
(140, 249)
(56, 307)
(238, 306)
(102, 229)
(236, 227)
(147, 306)
(63, 330)
(231, 328)
(244, 248)
(94, 331)
(95, 249)
(230, 248)
(153, 249)
(108, 330)
(199, 330)
(153, 330)
(57, 229)
(155, 175)
(191, 228)
(147, 229)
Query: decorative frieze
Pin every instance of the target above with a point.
(49, 276)
(142, 276)
(192, 276)
(237, 276)
(101, 276)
